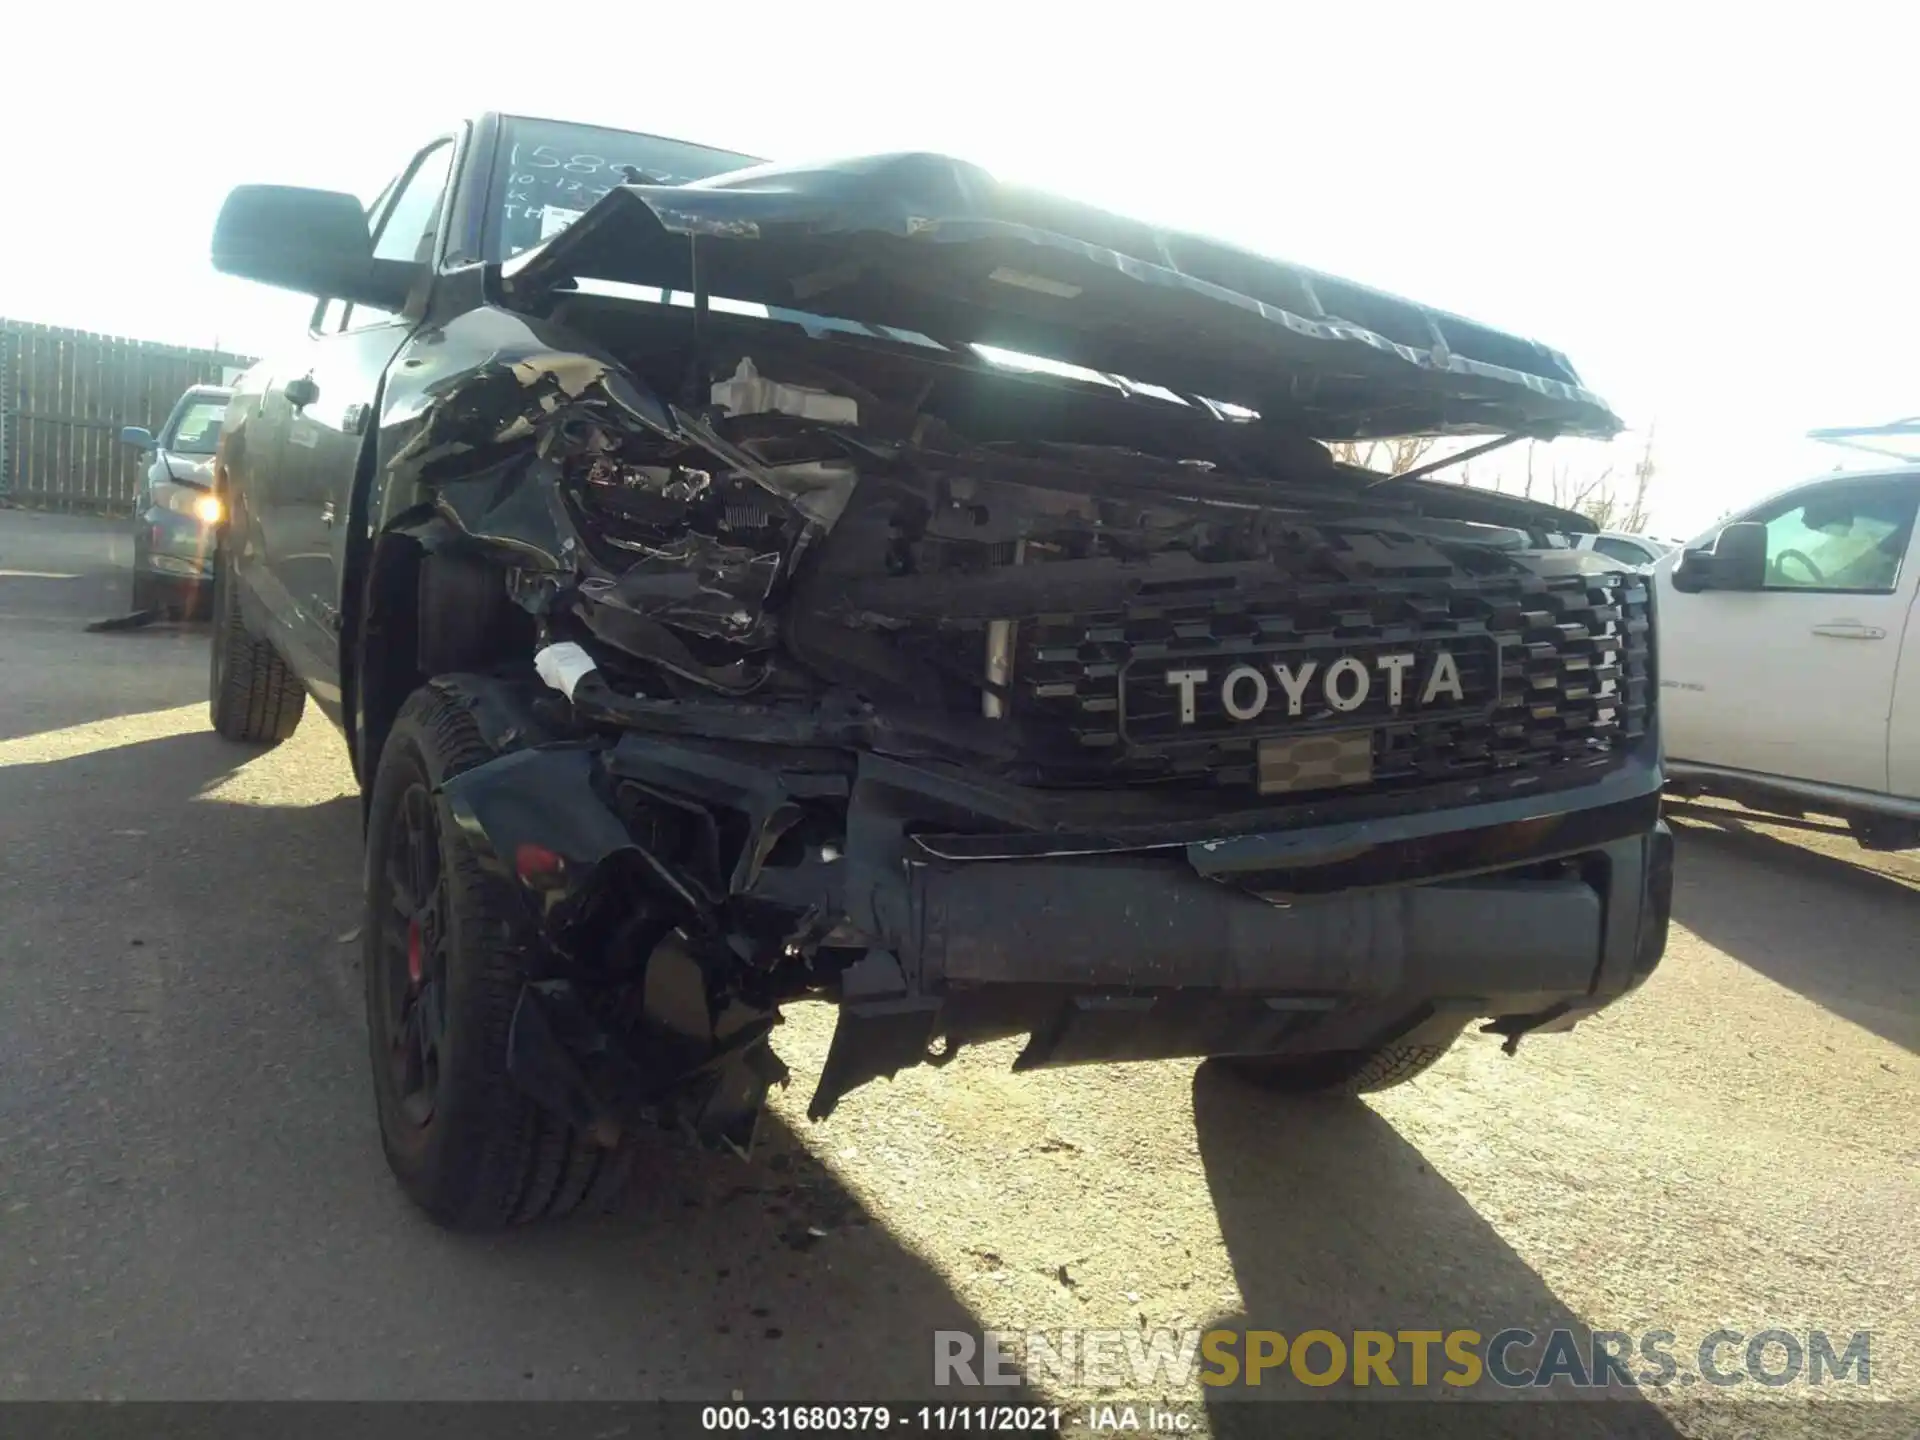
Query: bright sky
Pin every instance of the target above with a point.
(1709, 210)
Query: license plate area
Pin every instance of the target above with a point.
(1327, 761)
(1288, 691)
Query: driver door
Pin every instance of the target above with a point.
(1796, 680)
(330, 423)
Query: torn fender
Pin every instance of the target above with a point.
(633, 514)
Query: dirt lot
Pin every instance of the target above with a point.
(193, 1203)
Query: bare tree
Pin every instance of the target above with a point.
(1565, 477)
(1591, 496)
(1388, 457)
(1566, 482)
(1643, 472)
(1570, 479)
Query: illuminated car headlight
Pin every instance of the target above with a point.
(201, 505)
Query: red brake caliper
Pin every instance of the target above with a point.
(416, 953)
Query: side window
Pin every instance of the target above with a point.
(1624, 550)
(407, 232)
(411, 223)
(1843, 539)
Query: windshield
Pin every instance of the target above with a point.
(547, 173)
(197, 431)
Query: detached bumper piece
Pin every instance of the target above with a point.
(559, 1053)
(680, 890)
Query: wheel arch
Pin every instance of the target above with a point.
(380, 650)
(429, 607)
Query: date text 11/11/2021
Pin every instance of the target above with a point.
(884, 1419)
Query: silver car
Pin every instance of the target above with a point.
(175, 511)
(1622, 545)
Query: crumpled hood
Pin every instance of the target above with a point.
(938, 247)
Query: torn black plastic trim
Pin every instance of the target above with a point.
(536, 819)
(654, 1009)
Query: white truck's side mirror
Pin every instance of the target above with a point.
(1737, 561)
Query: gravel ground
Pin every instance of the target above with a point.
(193, 1202)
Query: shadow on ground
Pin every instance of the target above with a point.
(1334, 1222)
(1840, 932)
(194, 1198)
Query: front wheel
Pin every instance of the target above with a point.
(251, 693)
(146, 587)
(445, 952)
(1340, 1072)
(146, 594)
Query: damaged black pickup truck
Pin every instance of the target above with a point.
(870, 582)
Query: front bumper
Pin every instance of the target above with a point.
(954, 911)
(177, 550)
(1148, 956)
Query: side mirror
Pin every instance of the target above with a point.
(138, 436)
(313, 242)
(1738, 561)
(1740, 557)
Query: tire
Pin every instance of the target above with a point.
(146, 588)
(193, 600)
(1341, 1072)
(444, 954)
(252, 694)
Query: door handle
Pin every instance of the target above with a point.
(326, 515)
(1846, 630)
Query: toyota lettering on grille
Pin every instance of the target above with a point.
(1302, 688)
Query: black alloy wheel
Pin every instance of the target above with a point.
(412, 958)
(447, 944)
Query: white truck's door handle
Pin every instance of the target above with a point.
(1846, 630)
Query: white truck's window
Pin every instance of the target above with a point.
(1852, 540)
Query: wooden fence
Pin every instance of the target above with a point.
(64, 394)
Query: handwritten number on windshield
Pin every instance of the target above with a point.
(545, 157)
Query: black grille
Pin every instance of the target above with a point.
(1572, 657)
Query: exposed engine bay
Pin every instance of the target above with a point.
(808, 653)
(787, 538)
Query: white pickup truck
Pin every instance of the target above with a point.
(1790, 656)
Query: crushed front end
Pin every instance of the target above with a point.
(859, 673)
